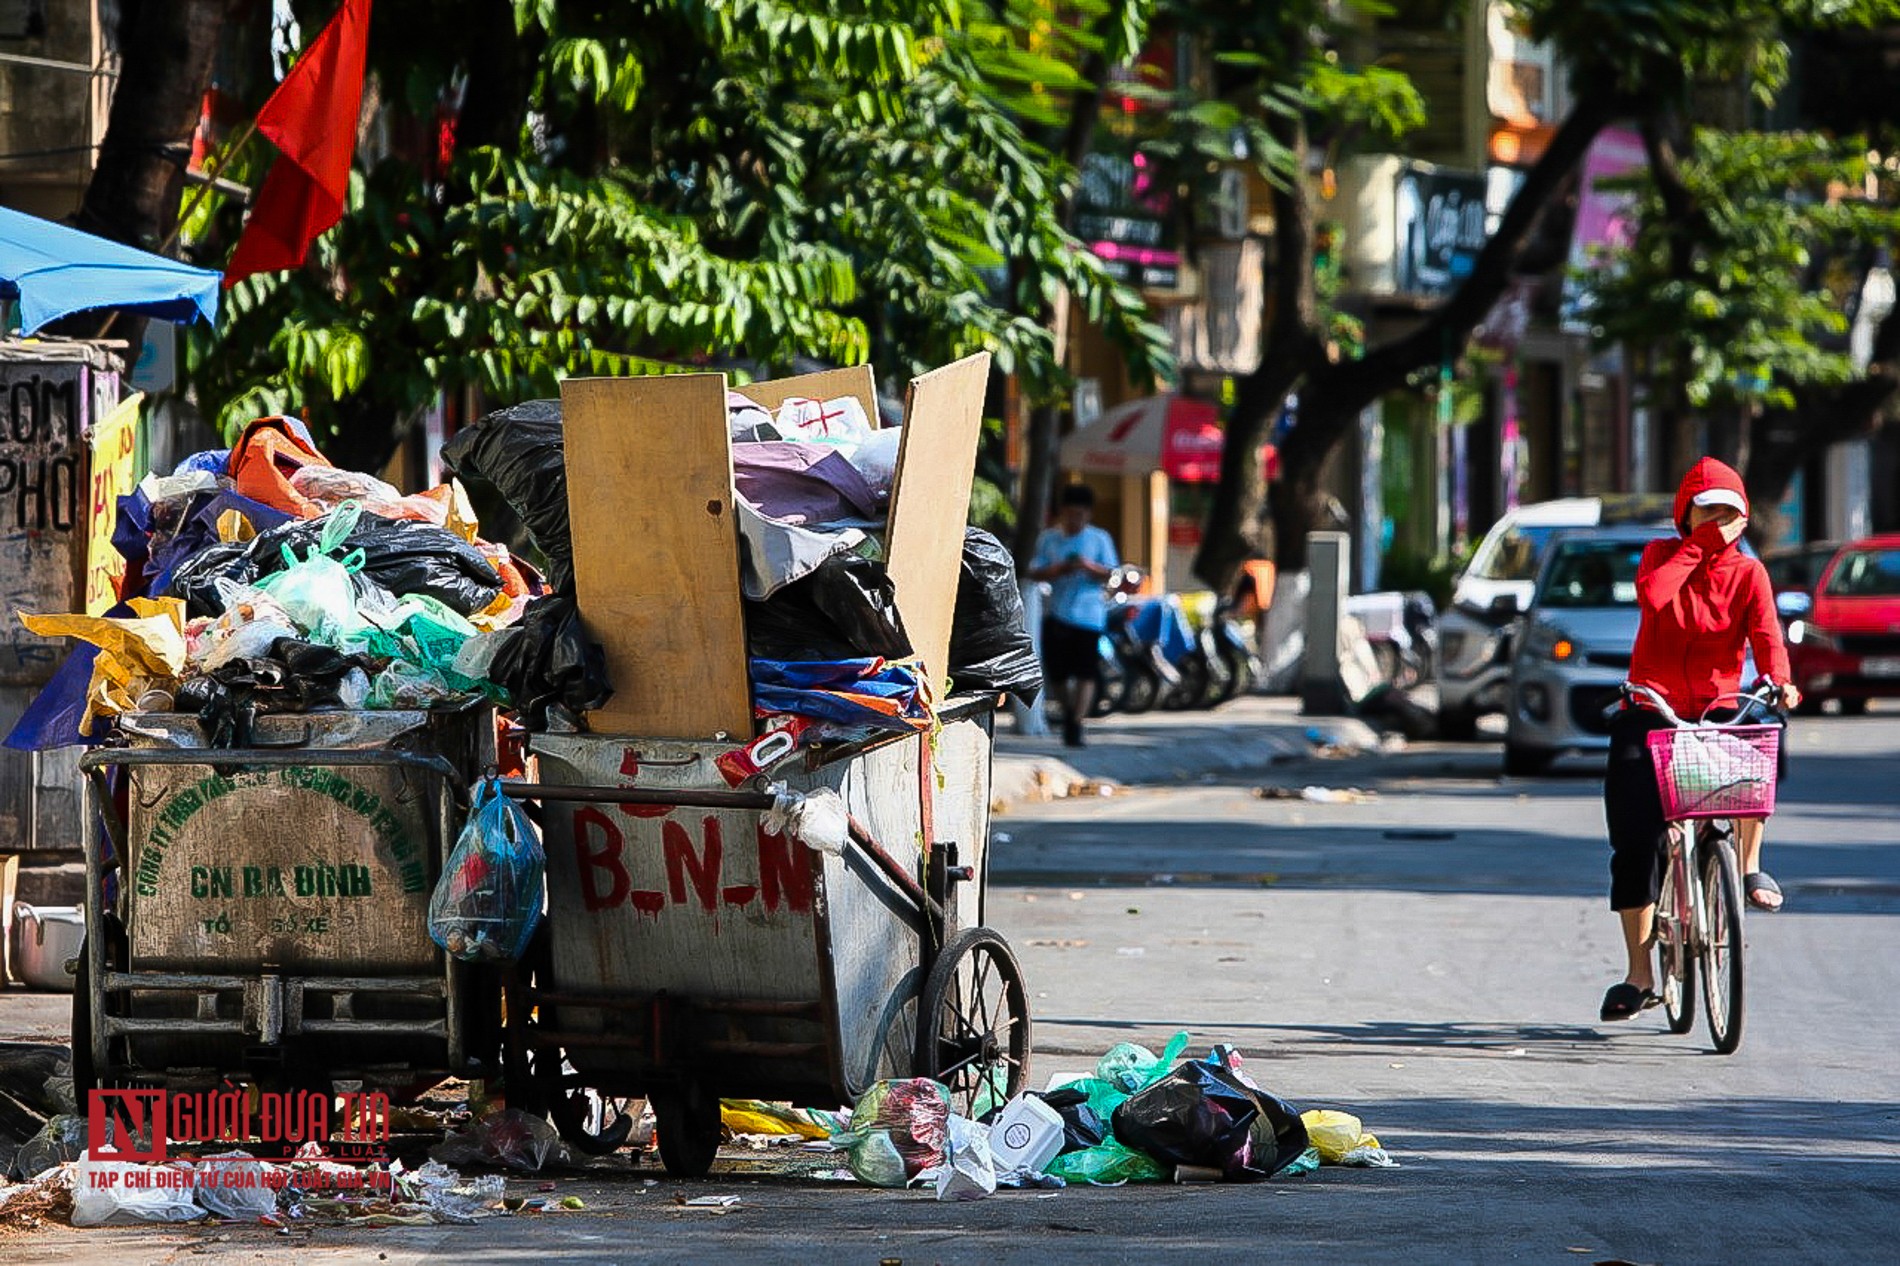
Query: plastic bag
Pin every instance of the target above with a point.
(408, 557)
(1340, 1139)
(316, 590)
(137, 654)
(520, 452)
(1204, 1115)
(121, 1193)
(1108, 1164)
(898, 1130)
(235, 1185)
(1129, 1067)
(61, 1139)
(252, 623)
(846, 608)
(876, 459)
(752, 1116)
(990, 647)
(547, 661)
(508, 1137)
(816, 819)
(839, 422)
(488, 901)
(968, 1171)
(266, 455)
(1082, 1126)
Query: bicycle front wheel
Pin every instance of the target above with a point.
(1722, 944)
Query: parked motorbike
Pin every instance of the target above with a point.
(1133, 633)
(1240, 665)
(1402, 628)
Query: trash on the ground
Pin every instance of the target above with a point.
(1317, 794)
(1026, 1134)
(1082, 1125)
(1129, 1067)
(235, 1185)
(968, 1171)
(61, 1139)
(31, 1206)
(897, 1131)
(121, 1193)
(1340, 1139)
(753, 1116)
(573, 1202)
(1300, 1166)
(1204, 1114)
(488, 900)
(507, 1136)
(708, 1202)
(456, 1199)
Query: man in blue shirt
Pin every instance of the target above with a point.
(1077, 559)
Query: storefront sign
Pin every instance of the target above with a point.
(1441, 229)
(115, 451)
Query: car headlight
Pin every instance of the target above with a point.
(1807, 633)
(1547, 641)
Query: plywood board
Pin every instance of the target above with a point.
(656, 552)
(930, 502)
(828, 384)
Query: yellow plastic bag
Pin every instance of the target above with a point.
(1334, 1134)
(750, 1116)
(136, 654)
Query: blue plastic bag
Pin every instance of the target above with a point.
(488, 901)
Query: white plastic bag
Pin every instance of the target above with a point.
(120, 1193)
(969, 1168)
(817, 820)
(236, 1185)
(839, 422)
(876, 458)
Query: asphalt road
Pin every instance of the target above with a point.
(1431, 960)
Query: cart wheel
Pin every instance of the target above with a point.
(688, 1125)
(973, 1021)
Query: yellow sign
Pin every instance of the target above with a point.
(115, 450)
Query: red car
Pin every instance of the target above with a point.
(1845, 645)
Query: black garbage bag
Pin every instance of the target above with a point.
(1082, 1126)
(1203, 1114)
(545, 659)
(845, 609)
(520, 452)
(990, 650)
(400, 556)
(296, 676)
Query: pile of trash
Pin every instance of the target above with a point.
(236, 1186)
(262, 579)
(1141, 1117)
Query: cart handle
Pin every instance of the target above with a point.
(268, 758)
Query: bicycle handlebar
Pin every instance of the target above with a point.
(1768, 694)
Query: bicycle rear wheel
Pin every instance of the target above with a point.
(1722, 946)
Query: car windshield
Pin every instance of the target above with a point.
(1514, 555)
(1592, 574)
(1866, 573)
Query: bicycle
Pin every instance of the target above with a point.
(1708, 774)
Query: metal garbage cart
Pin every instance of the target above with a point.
(260, 912)
(691, 953)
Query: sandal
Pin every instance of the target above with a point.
(1760, 881)
(1625, 1000)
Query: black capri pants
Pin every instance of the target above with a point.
(1632, 807)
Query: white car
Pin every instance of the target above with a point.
(1474, 630)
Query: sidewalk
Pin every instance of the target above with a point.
(1158, 748)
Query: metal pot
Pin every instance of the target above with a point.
(45, 937)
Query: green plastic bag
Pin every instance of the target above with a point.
(1130, 1068)
(317, 591)
(1107, 1164)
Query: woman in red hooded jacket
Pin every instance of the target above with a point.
(1703, 601)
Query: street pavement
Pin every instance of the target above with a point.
(1431, 960)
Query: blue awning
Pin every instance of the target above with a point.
(54, 271)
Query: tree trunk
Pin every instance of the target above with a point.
(1332, 393)
(133, 196)
(1044, 433)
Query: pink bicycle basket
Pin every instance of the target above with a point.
(1716, 771)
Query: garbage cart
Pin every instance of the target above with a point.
(260, 912)
(692, 952)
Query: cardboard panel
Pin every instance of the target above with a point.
(656, 552)
(930, 501)
(828, 384)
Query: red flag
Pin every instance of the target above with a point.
(312, 119)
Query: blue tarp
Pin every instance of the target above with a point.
(54, 271)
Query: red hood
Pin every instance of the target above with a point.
(1704, 476)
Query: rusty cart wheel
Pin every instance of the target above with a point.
(973, 1031)
(687, 1122)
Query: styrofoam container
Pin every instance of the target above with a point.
(44, 938)
(1026, 1135)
